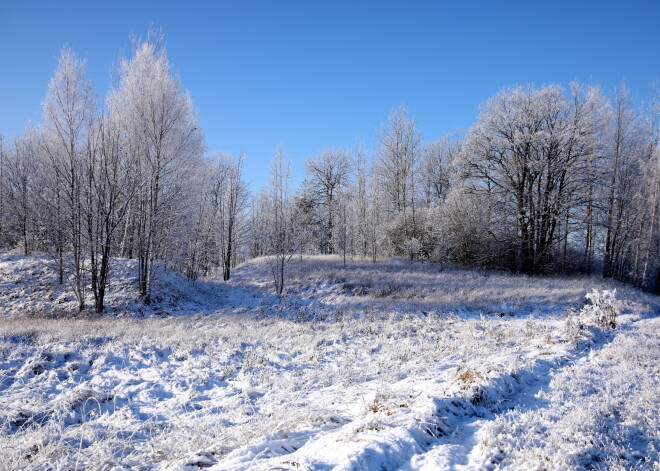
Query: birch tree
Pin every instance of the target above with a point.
(164, 139)
(398, 158)
(68, 112)
(107, 192)
(281, 235)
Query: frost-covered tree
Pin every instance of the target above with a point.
(281, 237)
(108, 189)
(21, 184)
(377, 207)
(163, 137)
(200, 246)
(622, 171)
(328, 174)
(229, 201)
(465, 230)
(344, 235)
(526, 150)
(650, 276)
(397, 158)
(650, 265)
(308, 220)
(591, 180)
(69, 111)
(3, 193)
(631, 222)
(360, 192)
(439, 158)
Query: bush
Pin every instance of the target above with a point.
(604, 306)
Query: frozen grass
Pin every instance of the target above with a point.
(325, 378)
(600, 413)
(29, 287)
(155, 391)
(397, 283)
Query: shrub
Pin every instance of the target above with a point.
(604, 306)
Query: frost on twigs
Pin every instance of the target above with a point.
(572, 328)
(604, 307)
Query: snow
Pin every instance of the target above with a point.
(600, 411)
(394, 365)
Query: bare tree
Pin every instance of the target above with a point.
(259, 224)
(21, 185)
(163, 136)
(3, 192)
(652, 255)
(361, 185)
(439, 158)
(281, 235)
(647, 243)
(621, 158)
(68, 112)
(398, 158)
(375, 211)
(328, 173)
(229, 200)
(108, 189)
(592, 178)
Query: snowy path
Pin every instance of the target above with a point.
(463, 450)
(503, 441)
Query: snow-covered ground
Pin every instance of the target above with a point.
(370, 366)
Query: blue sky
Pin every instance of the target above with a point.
(313, 74)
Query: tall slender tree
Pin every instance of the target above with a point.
(164, 139)
(281, 235)
(68, 111)
(108, 190)
(398, 158)
(3, 190)
(229, 200)
(21, 185)
(619, 162)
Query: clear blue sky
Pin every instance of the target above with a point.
(312, 74)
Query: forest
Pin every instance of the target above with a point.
(548, 180)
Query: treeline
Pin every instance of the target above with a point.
(547, 180)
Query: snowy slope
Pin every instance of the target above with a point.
(351, 370)
(29, 286)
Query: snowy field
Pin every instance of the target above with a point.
(369, 367)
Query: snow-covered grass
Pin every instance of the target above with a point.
(29, 287)
(601, 412)
(398, 284)
(373, 366)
